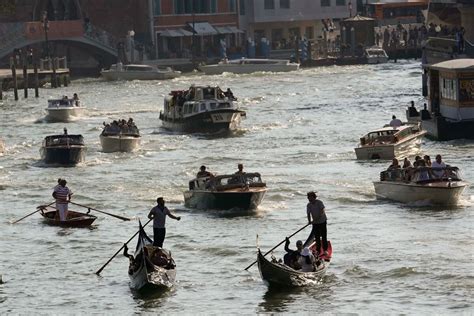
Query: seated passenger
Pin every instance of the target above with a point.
(406, 163)
(306, 260)
(394, 169)
(395, 122)
(423, 174)
(159, 258)
(240, 168)
(291, 257)
(438, 167)
(203, 173)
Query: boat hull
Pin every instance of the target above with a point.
(74, 219)
(159, 279)
(65, 114)
(135, 75)
(119, 143)
(68, 156)
(207, 122)
(246, 69)
(245, 200)
(436, 193)
(403, 148)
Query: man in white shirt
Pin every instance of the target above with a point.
(62, 194)
(437, 167)
(395, 122)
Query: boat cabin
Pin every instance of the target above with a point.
(450, 89)
(387, 135)
(63, 140)
(227, 182)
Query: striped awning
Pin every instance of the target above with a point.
(203, 28)
(175, 33)
(227, 30)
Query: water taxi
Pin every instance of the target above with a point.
(63, 110)
(63, 149)
(138, 72)
(249, 65)
(124, 137)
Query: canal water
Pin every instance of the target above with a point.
(300, 131)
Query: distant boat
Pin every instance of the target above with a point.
(248, 65)
(116, 139)
(138, 72)
(200, 109)
(375, 55)
(63, 110)
(74, 219)
(63, 149)
(390, 142)
(152, 267)
(241, 191)
(436, 186)
(277, 274)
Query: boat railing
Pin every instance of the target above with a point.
(421, 174)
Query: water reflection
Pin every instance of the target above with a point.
(278, 300)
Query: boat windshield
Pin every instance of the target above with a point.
(60, 103)
(61, 140)
(421, 174)
(229, 181)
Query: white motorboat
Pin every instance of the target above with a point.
(138, 72)
(390, 142)
(63, 110)
(435, 186)
(376, 55)
(247, 65)
(122, 138)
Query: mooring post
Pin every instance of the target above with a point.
(54, 82)
(65, 79)
(15, 83)
(1, 89)
(25, 74)
(35, 66)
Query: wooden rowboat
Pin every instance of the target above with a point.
(275, 273)
(74, 218)
(152, 268)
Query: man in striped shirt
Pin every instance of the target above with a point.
(62, 194)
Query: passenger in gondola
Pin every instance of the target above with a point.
(159, 258)
(307, 260)
(203, 173)
(291, 257)
(62, 194)
(158, 214)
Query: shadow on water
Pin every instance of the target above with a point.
(152, 298)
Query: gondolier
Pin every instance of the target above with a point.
(158, 214)
(62, 194)
(315, 211)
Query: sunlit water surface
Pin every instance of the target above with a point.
(300, 132)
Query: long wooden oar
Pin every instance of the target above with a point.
(266, 253)
(115, 254)
(39, 208)
(91, 208)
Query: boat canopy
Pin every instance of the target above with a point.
(421, 175)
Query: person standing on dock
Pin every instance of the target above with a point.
(62, 194)
(158, 214)
(316, 213)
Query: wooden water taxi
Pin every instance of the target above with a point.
(120, 137)
(64, 149)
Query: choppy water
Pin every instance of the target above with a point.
(300, 131)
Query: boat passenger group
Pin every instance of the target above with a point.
(423, 167)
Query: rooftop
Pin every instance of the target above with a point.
(455, 64)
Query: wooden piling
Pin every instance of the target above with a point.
(25, 76)
(1, 89)
(35, 67)
(15, 83)
(65, 79)
(54, 80)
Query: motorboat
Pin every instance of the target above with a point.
(138, 72)
(235, 191)
(275, 273)
(426, 185)
(63, 110)
(152, 268)
(390, 142)
(63, 149)
(375, 55)
(120, 136)
(249, 65)
(201, 109)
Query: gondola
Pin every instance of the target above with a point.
(277, 274)
(152, 268)
(74, 218)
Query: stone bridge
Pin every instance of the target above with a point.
(95, 41)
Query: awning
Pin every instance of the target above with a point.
(175, 33)
(228, 30)
(203, 28)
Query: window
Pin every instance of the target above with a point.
(309, 32)
(195, 6)
(284, 4)
(340, 2)
(448, 88)
(156, 7)
(325, 3)
(242, 7)
(232, 6)
(269, 4)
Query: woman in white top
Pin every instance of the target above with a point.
(306, 260)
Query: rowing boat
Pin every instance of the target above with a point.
(276, 273)
(74, 218)
(152, 268)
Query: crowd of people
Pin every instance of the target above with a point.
(424, 167)
(120, 127)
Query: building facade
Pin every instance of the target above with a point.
(195, 28)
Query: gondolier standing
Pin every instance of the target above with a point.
(62, 194)
(315, 210)
(158, 214)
